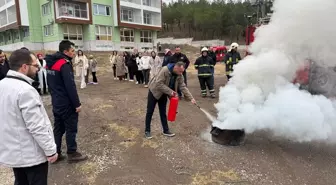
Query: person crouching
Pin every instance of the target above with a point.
(162, 86)
(204, 66)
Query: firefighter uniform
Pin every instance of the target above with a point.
(204, 66)
(231, 58)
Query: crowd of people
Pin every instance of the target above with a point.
(28, 142)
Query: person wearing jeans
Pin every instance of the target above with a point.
(162, 85)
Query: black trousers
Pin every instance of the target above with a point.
(94, 77)
(35, 175)
(206, 82)
(66, 124)
(139, 77)
(146, 73)
(151, 103)
(87, 76)
(114, 68)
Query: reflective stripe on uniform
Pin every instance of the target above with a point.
(206, 74)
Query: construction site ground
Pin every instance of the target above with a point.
(111, 132)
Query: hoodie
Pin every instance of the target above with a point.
(174, 76)
(61, 83)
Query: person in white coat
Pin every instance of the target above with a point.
(82, 68)
(42, 74)
(145, 62)
(26, 134)
(155, 63)
(139, 74)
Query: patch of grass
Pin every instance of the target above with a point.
(150, 143)
(102, 107)
(125, 131)
(215, 177)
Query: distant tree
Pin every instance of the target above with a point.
(206, 20)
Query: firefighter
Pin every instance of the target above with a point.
(204, 66)
(231, 58)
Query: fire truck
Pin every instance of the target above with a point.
(254, 20)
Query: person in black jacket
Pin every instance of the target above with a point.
(204, 66)
(180, 57)
(65, 100)
(132, 65)
(4, 65)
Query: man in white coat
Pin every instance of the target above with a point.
(26, 135)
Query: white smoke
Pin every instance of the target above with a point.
(260, 95)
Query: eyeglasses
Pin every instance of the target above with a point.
(35, 65)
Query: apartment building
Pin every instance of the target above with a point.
(93, 25)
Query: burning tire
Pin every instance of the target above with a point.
(227, 137)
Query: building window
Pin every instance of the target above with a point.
(72, 32)
(147, 18)
(2, 38)
(101, 9)
(73, 10)
(126, 35)
(127, 15)
(48, 30)
(103, 32)
(146, 2)
(16, 35)
(25, 32)
(146, 36)
(46, 9)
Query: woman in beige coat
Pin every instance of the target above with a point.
(82, 68)
(113, 61)
(120, 66)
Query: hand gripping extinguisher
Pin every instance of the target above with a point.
(172, 111)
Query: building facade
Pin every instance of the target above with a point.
(93, 25)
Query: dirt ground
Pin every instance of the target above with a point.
(111, 129)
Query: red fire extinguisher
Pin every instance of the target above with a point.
(172, 108)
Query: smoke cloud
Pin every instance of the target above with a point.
(260, 95)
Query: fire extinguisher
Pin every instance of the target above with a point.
(172, 111)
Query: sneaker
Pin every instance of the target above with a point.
(125, 79)
(95, 83)
(169, 134)
(213, 96)
(131, 80)
(76, 157)
(148, 135)
(137, 83)
(146, 86)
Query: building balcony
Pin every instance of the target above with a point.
(70, 11)
(148, 5)
(152, 3)
(134, 20)
(131, 1)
